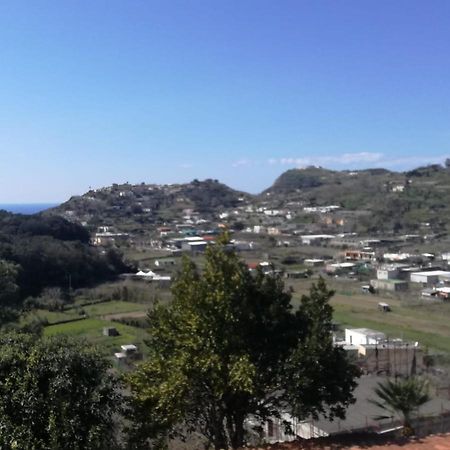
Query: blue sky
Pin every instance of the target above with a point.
(94, 92)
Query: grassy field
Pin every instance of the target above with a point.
(113, 307)
(92, 326)
(425, 322)
(49, 316)
(91, 330)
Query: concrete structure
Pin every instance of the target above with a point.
(359, 255)
(316, 239)
(340, 268)
(363, 336)
(392, 358)
(390, 285)
(110, 331)
(295, 274)
(387, 273)
(108, 238)
(430, 278)
(446, 256)
(165, 262)
(314, 262)
(195, 246)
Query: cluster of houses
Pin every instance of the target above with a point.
(399, 276)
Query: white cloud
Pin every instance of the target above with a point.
(345, 158)
(242, 162)
(359, 159)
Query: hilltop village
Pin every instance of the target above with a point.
(378, 238)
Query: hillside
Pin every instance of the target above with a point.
(396, 200)
(375, 200)
(131, 206)
(38, 252)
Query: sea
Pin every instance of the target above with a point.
(26, 208)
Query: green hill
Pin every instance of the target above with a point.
(397, 200)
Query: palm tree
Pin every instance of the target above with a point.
(403, 398)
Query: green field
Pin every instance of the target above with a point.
(113, 307)
(91, 330)
(411, 319)
(97, 316)
(49, 316)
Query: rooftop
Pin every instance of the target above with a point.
(367, 442)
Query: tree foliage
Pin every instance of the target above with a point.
(9, 290)
(49, 250)
(230, 345)
(54, 393)
(402, 397)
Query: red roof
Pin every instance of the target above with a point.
(433, 442)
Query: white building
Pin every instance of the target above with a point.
(363, 336)
(430, 278)
(314, 239)
(387, 273)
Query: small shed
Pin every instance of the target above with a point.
(110, 331)
(384, 307)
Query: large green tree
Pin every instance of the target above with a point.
(230, 346)
(55, 393)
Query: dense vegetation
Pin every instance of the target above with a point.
(231, 346)
(398, 202)
(55, 393)
(38, 252)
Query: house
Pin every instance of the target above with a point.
(320, 209)
(128, 353)
(359, 255)
(363, 336)
(314, 262)
(443, 292)
(390, 285)
(296, 274)
(273, 212)
(396, 257)
(259, 229)
(340, 268)
(110, 331)
(195, 246)
(387, 273)
(430, 278)
(165, 262)
(243, 245)
(108, 238)
(316, 239)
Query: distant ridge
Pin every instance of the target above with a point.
(389, 201)
(26, 208)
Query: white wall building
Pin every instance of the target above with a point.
(363, 336)
(430, 278)
(387, 273)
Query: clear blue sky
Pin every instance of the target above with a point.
(94, 92)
